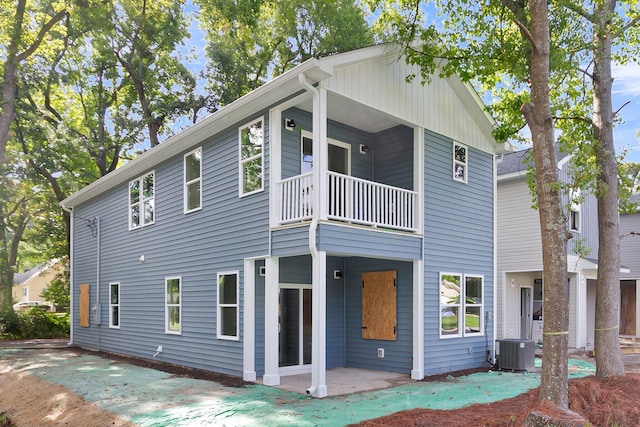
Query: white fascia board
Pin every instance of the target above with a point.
(512, 176)
(251, 103)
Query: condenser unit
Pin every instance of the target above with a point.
(515, 354)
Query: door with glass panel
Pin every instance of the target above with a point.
(294, 328)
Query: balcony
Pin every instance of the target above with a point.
(351, 200)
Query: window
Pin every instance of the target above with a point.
(114, 305)
(574, 210)
(461, 294)
(142, 201)
(193, 180)
(173, 314)
(460, 162)
(25, 293)
(228, 312)
(251, 153)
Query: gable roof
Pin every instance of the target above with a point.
(515, 164)
(287, 84)
(26, 276)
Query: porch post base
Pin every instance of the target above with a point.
(320, 391)
(249, 376)
(271, 380)
(417, 374)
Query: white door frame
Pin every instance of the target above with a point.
(295, 369)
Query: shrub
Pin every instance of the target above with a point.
(33, 323)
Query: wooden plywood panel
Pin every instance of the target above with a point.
(628, 310)
(84, 306)
(379, 305)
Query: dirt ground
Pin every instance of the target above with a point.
(33, 402)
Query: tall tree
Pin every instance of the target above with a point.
(25, 26)
(252, 41)
(504, 47)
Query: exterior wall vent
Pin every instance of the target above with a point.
(515, 354)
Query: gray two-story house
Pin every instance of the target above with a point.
(338, 216)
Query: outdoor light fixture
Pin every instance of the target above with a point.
(289, 124)
(337, 274)
(364, 149)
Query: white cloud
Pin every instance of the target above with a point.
(626, 79)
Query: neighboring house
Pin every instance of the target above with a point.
(520, 271)
(630, 281)
(28, 286)
(336, 216)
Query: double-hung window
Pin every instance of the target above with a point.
(251, 157)
(173, 314)
(193, 180)
(114, 305)
(460, 162)
(142, 201)
(574, 210)
(228, 317)
(461, 305)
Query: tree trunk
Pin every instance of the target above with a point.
(607, 317)
(554, 381)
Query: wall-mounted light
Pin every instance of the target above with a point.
(513, 283)
(289, 124)
(263, 271)
(337, 274)
(364, 149)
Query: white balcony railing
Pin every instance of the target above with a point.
(351, 200)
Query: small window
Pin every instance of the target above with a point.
(460, 168)
(575, 203)
(173, 314)
(193, 180)
(461, 294)
(228, 308)
(251, 158)
(114, 305)
(25, 293)
(142, 201)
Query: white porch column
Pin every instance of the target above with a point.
(271, 351)
(321, 160)
(319, 321)
(249, 336)
(417, 373)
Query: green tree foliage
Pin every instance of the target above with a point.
(252, 41)
(57, 291)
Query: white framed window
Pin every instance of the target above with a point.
(114, 305)
(251, 149)
(193, 180)
(575, 204)
(460, 162)
(25, 293)
(142, 201)
(461, 305)
(228, 318)
(173, 312)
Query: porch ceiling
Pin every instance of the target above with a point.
(352, 113)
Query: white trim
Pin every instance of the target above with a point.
(166, 306)
(141, 201)
(111, 305)
(271, 375)
(330, 141)
(219, 306)
(418, 177)
(481, 306)
(275, 164)
(242, 162)
(248, 325)
(318, 386)
(417, 373)
(193, 181)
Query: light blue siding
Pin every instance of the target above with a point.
(195, 246)
(458, 238)
(362, 353)
(290, 241)
(393, 154)
(340, 240)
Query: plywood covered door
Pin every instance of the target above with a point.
(628, 308)
(379, 305)
(84, 305)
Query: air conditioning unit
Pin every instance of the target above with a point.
(515, 354)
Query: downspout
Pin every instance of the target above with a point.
(316, 201)
(71, 328)
(98, 319)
